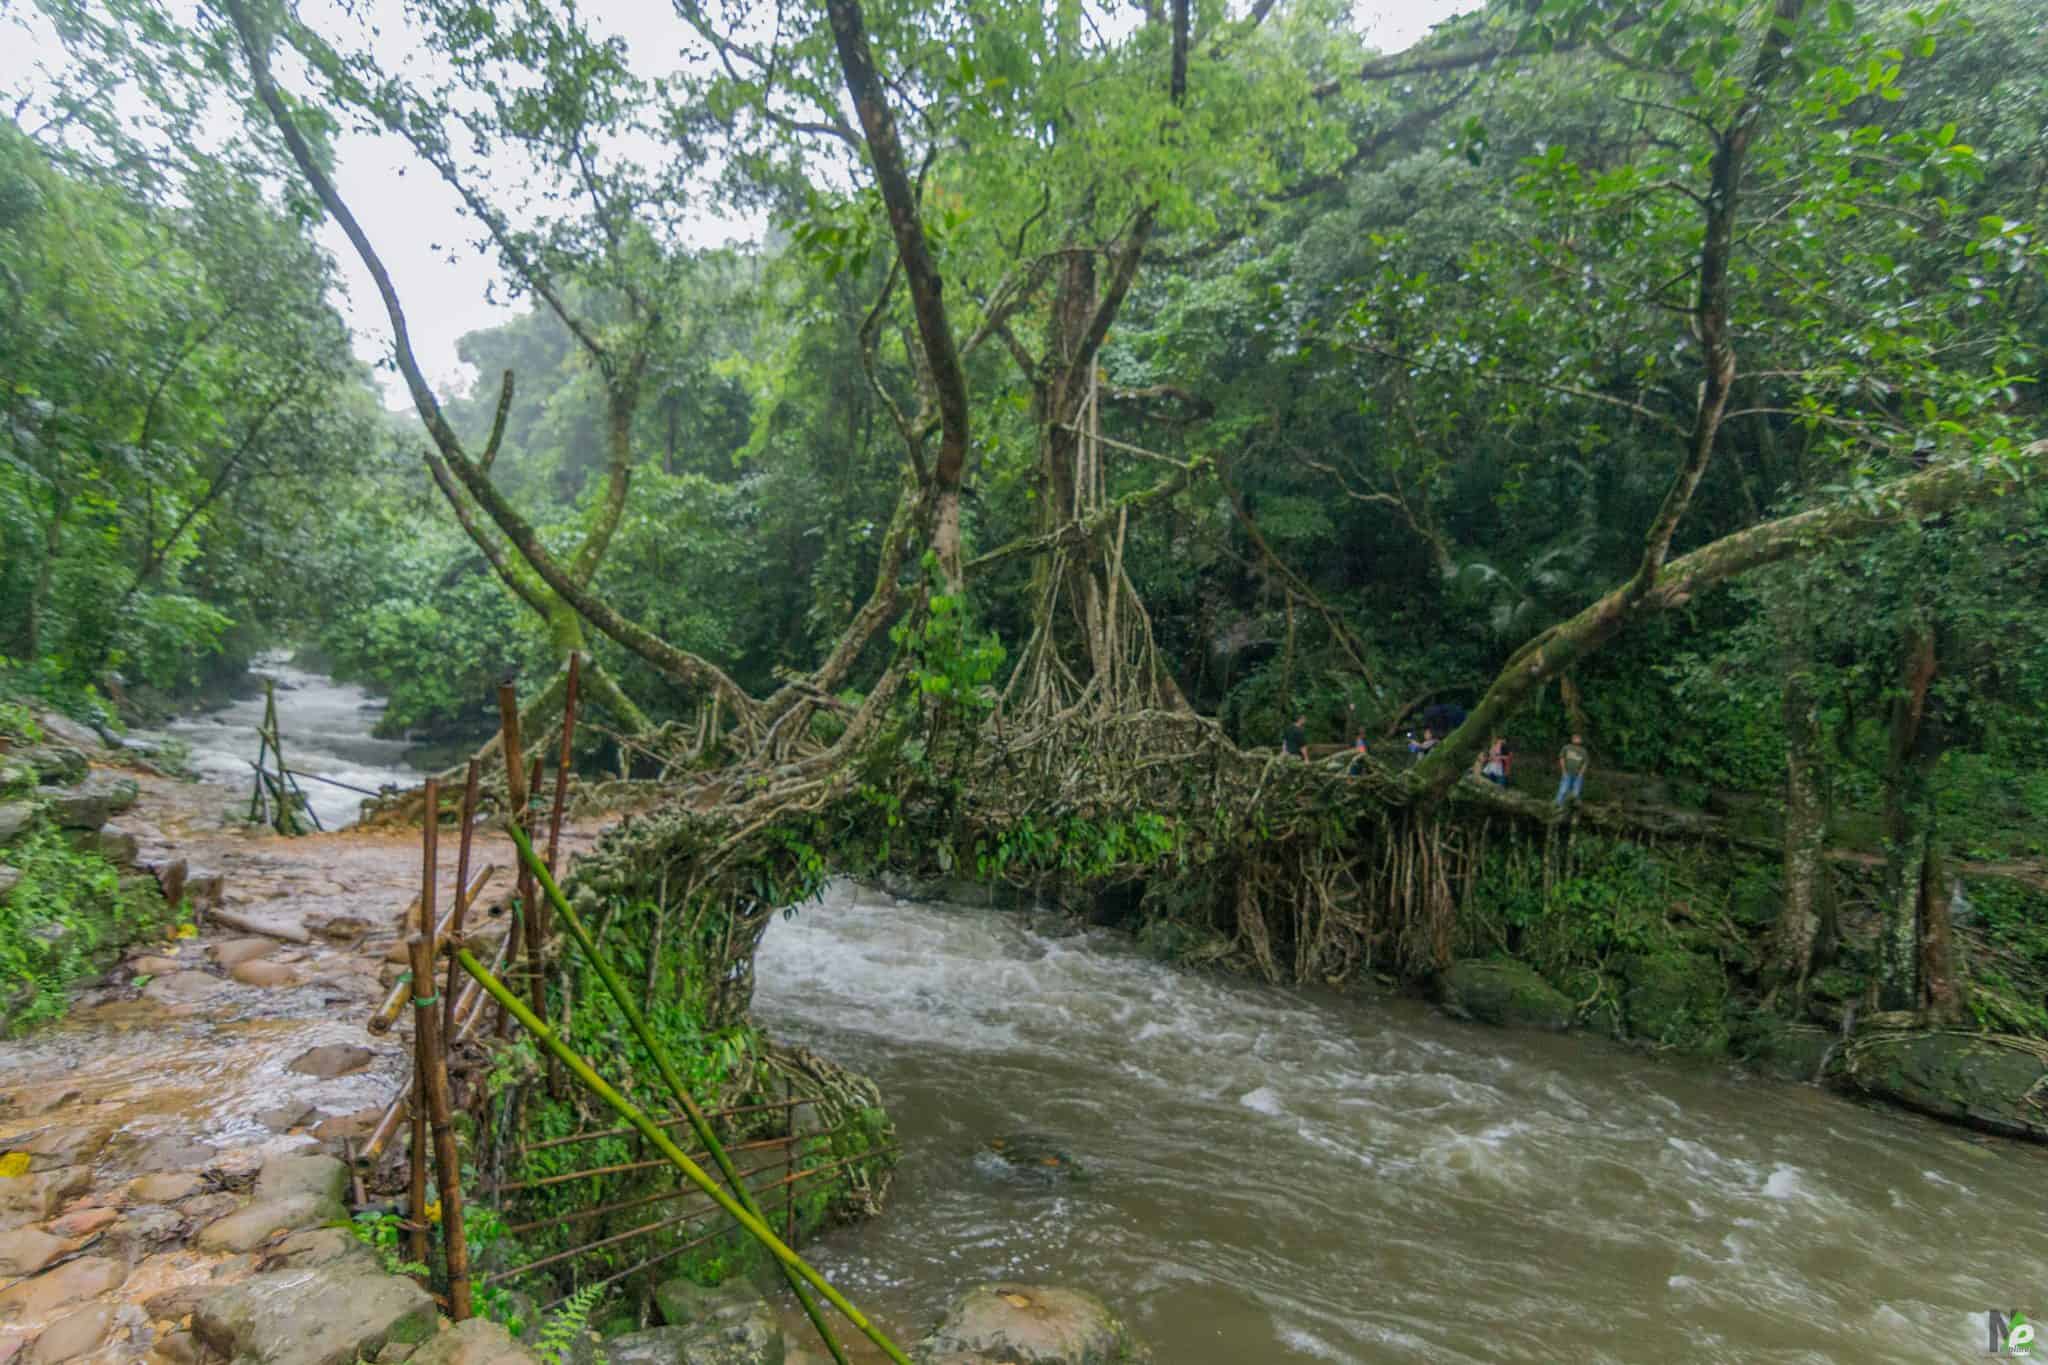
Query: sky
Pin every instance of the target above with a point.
(411, 217)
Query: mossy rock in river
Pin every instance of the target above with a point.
(1029, 1158)
(1505, 993)
(1979, 1080)
(1677, 1000)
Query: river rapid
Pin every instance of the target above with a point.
(325, 726)
(1282, 1175)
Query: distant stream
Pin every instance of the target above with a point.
(1286, 1176)
(325, 726)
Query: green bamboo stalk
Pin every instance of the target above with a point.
(698, 1121)
(696, 1174)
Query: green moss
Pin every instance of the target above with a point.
(1677, 1000)
(1505, 993)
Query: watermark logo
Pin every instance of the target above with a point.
(2008, 1334)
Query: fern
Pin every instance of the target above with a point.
(559, 1331)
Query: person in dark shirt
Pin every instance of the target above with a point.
(1295, 741)
(1357, 755)
(1419, 749)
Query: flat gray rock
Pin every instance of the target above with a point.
(261, 1222)
(1029, 1324)
(333, 1314)
(323, 1177)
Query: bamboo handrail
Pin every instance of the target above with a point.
(544, 874)
(393, 1004)
(666, 1121)
(628, 1111)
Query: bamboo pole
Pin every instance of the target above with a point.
(530, 906)
(468, 1010)
(563, 764)
(461, 890)
(433, 1066)
(631, 1009)
(393, 1003)
(416, 1186)
(626, 1110)
(286, 824)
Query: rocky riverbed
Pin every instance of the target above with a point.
(178, 1133)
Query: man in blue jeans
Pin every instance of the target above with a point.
(1571, 769)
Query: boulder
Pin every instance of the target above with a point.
(88, 1277)
(1972, 1079)
(331, 1060)
(64, 730)
(476, 1342)
(323, 1177)
(60, 765)
(260, 1223)
(15, 819)
(1030, 1158)
(1677, 1000)
(333, 1314)
(685, 1303)
(116, 845)
(91, 803)
(72, 1336)
(9, 879)
(176, 1348)
(1029, 1325)
(1505, 993)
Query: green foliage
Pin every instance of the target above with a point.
(62, 922)
(385, 1233)
(559, 1331)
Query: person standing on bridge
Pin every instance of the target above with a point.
(1294, 742)
(1572, 762)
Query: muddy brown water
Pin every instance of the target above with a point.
(1286, 1176)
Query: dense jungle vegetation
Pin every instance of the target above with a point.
(1686, 355)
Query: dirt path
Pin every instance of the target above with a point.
(146, 1114)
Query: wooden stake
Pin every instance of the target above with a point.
(433, 1068)
(416, 1205)
(461, 890)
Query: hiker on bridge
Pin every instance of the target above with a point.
(1572, 762)
(1294, 740)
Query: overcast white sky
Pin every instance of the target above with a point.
(411, 216)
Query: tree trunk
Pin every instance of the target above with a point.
(1808, 906)
(39, 595)
(1909, 827)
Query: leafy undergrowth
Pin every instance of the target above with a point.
(63, 922)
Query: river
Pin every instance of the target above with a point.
(1282, 1176)
(325, 726)
(1285, 1176)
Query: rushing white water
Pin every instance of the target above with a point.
(325, 726)
(1284, 1176)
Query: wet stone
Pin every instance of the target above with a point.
(261, 1222)
(116, 845)
(72, 1336)
(33, 1197)
(752, 1339)
(326, 1315)
(167, 1188)
(155, 964)
(286, 1117)
(1028, 1158)
(360, 1124)
(269, 975)
(332, 1059)
(76, 1281)
(71, 1144)
(234, 952)
(1030, 1325)
(323, 1177)
(147, 1230)
(476, 1342)
(9, 879)
(164, 1152)
(25, 1250)
(317, 1247)
(84, 1222)
(183, 989)
(90, 804)
(176, 1348)
(15, 819)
